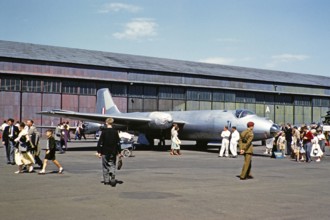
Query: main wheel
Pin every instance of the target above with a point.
(126, 153)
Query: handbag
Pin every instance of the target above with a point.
(302, 150)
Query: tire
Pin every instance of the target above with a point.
(126, 153)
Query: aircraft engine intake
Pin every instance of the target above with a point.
(160, 120)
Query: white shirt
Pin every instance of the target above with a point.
(225, 134)
(321, 136)
(234, 137)
(3, 126)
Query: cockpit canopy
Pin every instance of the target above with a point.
(241, 113)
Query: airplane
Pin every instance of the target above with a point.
(202, 126)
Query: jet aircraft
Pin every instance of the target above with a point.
(202, 126)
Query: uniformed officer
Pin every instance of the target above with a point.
(246, 148)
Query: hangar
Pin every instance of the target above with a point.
(38, 77)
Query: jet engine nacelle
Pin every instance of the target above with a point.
(160, 120)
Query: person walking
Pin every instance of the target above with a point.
(10, 133)
(108, 148)
(234, 141)
(23, 154)
(58, 138)
(246, 149)
(50, 153)
(296, 143)
(175, 145)
(34, 136)
(225, 135)
(307, 143)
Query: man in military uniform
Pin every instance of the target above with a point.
(246, 148)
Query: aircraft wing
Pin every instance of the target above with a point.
(119, 120)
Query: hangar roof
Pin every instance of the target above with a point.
(37, 52)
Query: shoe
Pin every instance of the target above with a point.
(250, 177)
(171, 153)
(8, 162)
(318, 160)
(60, 171)
(13, 163)
(42, 172)
(17, 172)
(106, 183)
(30, 169)
(113, 181)
(242, 178)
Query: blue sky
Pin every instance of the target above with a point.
(286, 35)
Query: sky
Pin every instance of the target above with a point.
(283, 35)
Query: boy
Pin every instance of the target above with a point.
(50, 153)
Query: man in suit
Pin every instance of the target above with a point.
(246, 148)
(10, 133)
(34, 137)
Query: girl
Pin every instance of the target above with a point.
(281, 143)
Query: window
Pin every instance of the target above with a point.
(70, 87)
(321, 102)
(283, 99)
(218, 96)
(52, 86)
(150, 92)
(230, 96)
(302, 100)
(10, 84)
(118, 89)
(192, 94)
(205, 95)
(179, 93)
(87, 88)
(165, 92)
(260, 98)
(135, 91)
(245, 97)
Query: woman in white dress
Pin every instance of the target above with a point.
(23, 155)
(316, 151)
(175, 146)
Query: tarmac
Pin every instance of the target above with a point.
(154, 185)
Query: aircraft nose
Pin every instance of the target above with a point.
(274, 129)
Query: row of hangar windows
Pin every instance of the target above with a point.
(152, 91)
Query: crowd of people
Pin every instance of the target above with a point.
(304, 144)
(21, 143)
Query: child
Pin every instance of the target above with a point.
(281, 143)
(50, 153)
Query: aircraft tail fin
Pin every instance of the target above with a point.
(104, 102)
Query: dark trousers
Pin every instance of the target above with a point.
(246, 170)
(108, 167)
(10, 151)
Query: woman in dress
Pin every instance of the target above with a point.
(175, 146)
(23, 155)
(316, 151)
